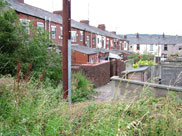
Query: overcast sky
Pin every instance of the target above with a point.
(124, 16)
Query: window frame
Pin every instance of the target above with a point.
(138, 47)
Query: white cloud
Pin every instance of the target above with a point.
(125, 16)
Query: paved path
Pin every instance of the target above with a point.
(105, 92)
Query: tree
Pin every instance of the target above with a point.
(18, 46)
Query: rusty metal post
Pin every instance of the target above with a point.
(66, 37)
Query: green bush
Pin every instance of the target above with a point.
(82, 88)
(143, 62)
(30, 50)
(174, 55)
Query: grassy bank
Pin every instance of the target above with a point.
(33, 111)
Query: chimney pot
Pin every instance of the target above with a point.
(85, 22)
(21, 1)
(59, 12)
(102, 27)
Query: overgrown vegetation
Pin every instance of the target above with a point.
(28, 110)
(24, 54)
(135, 57)
(17, 45)
(143, 63)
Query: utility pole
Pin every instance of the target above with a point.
(66, 37)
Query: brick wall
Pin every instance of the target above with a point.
(34, 20)
(79, 58)
(117, 66)
(98, 74)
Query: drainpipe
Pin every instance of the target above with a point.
(91, 40)
(49, 28)
(45, 23)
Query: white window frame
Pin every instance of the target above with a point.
(81, 35)
(151, 47)
(73, 36)
(91, 60)
(40, 25)
(53, 32)
(111, 43)
(26, 24)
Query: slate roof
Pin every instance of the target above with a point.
(84, 49)
(40, 13)
(171, 40)
(118, 52)
(135, 70)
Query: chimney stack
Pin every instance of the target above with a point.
(114, 32)
(102, 27)
(125, 36)
(59, 12)
(163, 35)
(85, 22)
(137, 35)
(21, 1)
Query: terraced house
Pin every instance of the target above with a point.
(82, 33)
(160, 46)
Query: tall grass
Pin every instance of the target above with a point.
(42, 112)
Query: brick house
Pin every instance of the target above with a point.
(81, 32)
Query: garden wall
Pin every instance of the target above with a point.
(99, 74)
(129, 89)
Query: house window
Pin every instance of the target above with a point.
(73, 36)
(111, 43)
(151, 47)
(180, 47)
(88, 41)
(81, 35)
(93, 40)
(138, 46)
(61, 31)
(53, 32)
(26, 25)
(130, 46)
(98, 40)
(91, 60)
(107, 43)
(165, 47)
(40, 26)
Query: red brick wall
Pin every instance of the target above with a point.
(57, 40)
(79, 58)
(98, 74)
(78, 37)
(117, 66)
(95, 56)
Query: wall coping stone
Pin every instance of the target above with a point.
(173, 88)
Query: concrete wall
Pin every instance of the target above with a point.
(171, 75)
(129, 89)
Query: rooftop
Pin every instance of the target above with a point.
(40, 13)
(170, 40)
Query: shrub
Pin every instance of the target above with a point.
(145, 62)
(82, 88)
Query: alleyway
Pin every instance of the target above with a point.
(105, 92)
